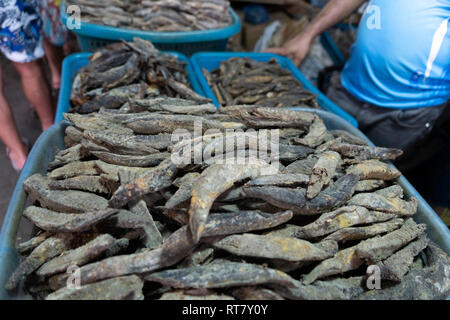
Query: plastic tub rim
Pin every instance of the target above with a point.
(113, 33)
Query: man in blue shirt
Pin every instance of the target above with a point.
(397, 80)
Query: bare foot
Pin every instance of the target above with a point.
(18, 157)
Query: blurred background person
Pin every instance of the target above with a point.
(21, 43)
(56, 40)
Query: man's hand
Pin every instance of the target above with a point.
(296, 49)
(335, 11)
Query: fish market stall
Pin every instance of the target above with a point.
(199, 174)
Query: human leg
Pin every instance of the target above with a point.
(37, 91)
(9, 133)
(55, 56)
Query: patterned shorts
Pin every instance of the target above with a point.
(20, 30)
(54, 30)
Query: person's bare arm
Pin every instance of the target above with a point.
(335, 11)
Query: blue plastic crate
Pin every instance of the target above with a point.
(92, 36)
(212, 60)
(76, 61)
(43, 153)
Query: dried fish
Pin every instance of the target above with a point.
(372, 250)
(322, 173)
(377, 202)
(304, 166)
(369, 185)
(123, 288)
(374, 169)
(48, 249)
(379, 248)
(289, 249)
(155, 180)
(317, 134)
(153, 236)
(96, 123)
(74, 169)
(362, 153)
(342, 289)
(397, 265)
(246, 81)
(256, 293)
(71, 201)
(281, 180)
(182, 295)
(179, 245)
(221, 275)
(76, 257)
(63, 222)
(31, 244)
(214, 181)
(150, 160)
(360, 233)
(184, 192)
(72, 154)
(72, 136)
(82, 183)
(339, 219)
(429, 283)
(295, 199)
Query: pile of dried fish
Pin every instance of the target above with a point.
(122, 75)
(246, 81)
(156, 15)
(115, 212)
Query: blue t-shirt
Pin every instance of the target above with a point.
(401, 58)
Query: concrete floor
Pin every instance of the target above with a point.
(28, 126)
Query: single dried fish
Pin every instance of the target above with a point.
(182, 295)
(123, 288)
(71, 201)
(72, 154)
(284, 248)
(155, 180)
(31, 244)
(221, 275)
(361, 153)
(295, 199)
(63, 222)
(214, 181)
(150, 160)
(374, 169)
(74, 169)
(337, 289)
(339, 219)
(360, 233)
(377, 202)
(153, 236)
(369, 185)
(76, 257)
(281, 180)
(256, 293)
(82, 183)
(322, 173)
